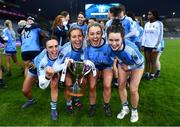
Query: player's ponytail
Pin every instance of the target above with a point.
(116, 22)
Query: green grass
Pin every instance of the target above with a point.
(159, 100)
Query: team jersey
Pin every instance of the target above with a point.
(129, 55)
(99, 55)
(136, 37)
(30, 40)
(83, 27)
(140, 32)
(42, 60)
(68, 51)
(11, 41)
(153, 34)
(128, 25)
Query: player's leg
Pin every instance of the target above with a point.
(14, 58)
(54, 96)
(27, 90)
(158, 65)
(68, 83)
(8, 66)
(107, 80)
(92, 94)
(123, 93)
(136, 76)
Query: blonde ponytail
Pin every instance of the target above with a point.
(8, 24)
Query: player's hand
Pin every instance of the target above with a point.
(49, 72)
(70, 62)
(124, 67)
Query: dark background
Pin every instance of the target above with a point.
(51, 8)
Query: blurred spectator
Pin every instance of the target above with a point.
(58, 30)
(80, 23)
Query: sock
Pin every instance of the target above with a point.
(146, 73)
(152, 74)
(53, 105)
(31, 99)
(134, 109)
(158, 71)
(116, 80)
(106, 104)
(125, 104)
(93, 105)
(69, 103)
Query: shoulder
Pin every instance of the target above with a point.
(66, 48)
(66, 45)
(73, 24)
(128, 19)
(129, 43)
(5, 30)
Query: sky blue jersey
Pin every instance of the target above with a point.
(68, 51)
(11, 41)
(128, 25)
(42, 60)
(30, 40)
(129, 55)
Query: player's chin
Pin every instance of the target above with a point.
(78, 46)
(54, 56)
(114, 48)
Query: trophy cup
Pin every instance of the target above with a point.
(78, 70)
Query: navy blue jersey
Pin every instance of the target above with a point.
(99, 55)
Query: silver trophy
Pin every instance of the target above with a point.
(79, 70)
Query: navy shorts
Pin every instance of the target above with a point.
(103, 67)
(32, 72)
(29, 55)
(148, 49)
(9, 53)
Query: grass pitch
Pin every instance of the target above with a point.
(159, 100)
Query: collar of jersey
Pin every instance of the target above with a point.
(123, 18)
(101, 44)
(53, 59)
(76, 50)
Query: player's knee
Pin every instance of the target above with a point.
(133, 92)
(107, 87)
